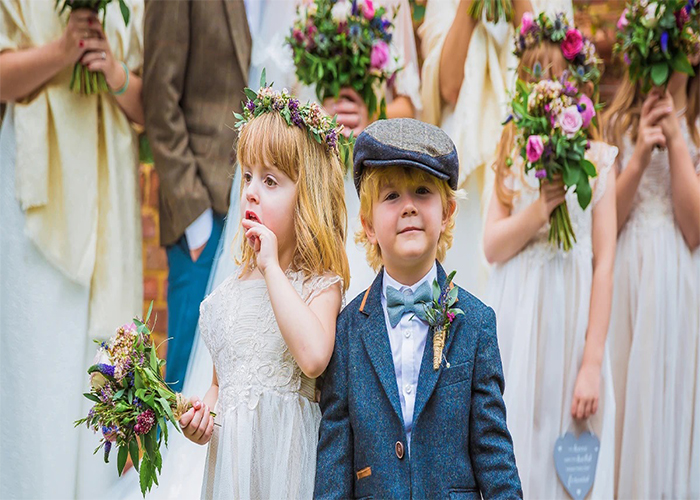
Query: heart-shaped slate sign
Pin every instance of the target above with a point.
(575, 459)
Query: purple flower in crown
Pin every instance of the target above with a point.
(297, 119)
(332, 138)
(250, 106)
(293, 104)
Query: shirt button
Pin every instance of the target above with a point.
(408, 388)
(407, 333)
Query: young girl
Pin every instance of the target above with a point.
(270, 328)
(552, 306)
(655, 322)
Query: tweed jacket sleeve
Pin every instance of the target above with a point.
(166, 53)
(493, 459)
(334, 461)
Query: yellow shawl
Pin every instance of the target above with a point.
(77, 167)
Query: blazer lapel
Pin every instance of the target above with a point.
(376, 340)
(428, 377)
(240, 33)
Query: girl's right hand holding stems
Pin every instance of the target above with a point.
(197, 423)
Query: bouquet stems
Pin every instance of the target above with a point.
(87, 82)
(495, 10)
(561, 231)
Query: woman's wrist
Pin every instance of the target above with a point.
(117, 77)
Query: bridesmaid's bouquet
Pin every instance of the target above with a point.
(132, 402)
(84, 81)
(657, 38)
(344, 43)
(495, 10)
(553, 118)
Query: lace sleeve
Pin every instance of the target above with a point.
(204, 325)
(314, 286)
(603, 157)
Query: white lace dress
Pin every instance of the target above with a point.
(266, 445)
(654, 340)
(541, 298)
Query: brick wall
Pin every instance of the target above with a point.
(155, 262)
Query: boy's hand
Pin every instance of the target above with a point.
(586, 392)
(263, 242)
(197, 424)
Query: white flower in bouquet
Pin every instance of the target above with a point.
(341, 11)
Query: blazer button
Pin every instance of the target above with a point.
(399, 449)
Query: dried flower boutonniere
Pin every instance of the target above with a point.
(440, 314)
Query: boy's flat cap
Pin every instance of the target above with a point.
(405, 142)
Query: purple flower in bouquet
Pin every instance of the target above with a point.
(298, 35)
(145, 421)
(664, 42)
(587, 110)
(535, 147)
(570, 121)
(380, 55)
(682, 17)
(541, 174)
(626, 58)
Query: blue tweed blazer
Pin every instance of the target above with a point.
(460, 445)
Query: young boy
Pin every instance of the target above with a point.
(393, 426)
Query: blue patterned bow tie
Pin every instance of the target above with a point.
(398, 304)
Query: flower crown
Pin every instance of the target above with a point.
(321, 127)
(578, 50)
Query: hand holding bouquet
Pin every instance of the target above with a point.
(346, 43)
(132, 401)
(84, 81)
(657, 38)
(553, 118)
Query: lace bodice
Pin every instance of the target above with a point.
(238, 326)
(527, 191)
(653, 204)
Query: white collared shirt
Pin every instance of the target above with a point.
(407, 341)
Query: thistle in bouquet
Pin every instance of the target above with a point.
(553, 120)
(657, 38)
(345, 43)
(494, 10)
(133, 404)
(84, 81)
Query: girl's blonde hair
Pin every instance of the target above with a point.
(544, 51)
(622, 117)
(375, 179)
(320, 216)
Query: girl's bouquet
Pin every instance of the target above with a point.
(657, 37)
(495, 10)
(344, 43)
(84, 81)
(552, 119)
(132, 402)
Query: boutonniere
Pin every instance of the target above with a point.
(440, 314)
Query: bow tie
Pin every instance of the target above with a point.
(398, 304)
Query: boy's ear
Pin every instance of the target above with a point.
(369, 230)
(447, 215)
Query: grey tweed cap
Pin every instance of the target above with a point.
(405, 142)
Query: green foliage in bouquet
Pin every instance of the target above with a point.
(133, 404)
(553, 118)
(657, 38)
(495, 10)
(84, 81)
(346, 43)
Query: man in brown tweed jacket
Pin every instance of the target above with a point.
(196, 59)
